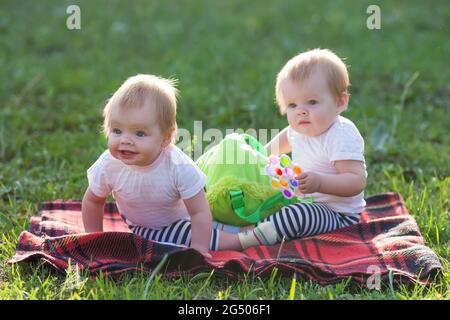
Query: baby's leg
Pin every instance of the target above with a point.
(226, 227)
(301, 220)
(180, 233)
(262, 234)
(231, 229)
(177, 233)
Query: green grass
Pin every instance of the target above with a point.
(226, 55)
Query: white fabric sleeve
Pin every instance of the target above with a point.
(97, 177)
(346, 143)
(189, 179)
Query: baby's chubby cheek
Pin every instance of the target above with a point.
(113, 150)
(292, 122)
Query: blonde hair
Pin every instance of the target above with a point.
(140, 89)
(302, 65)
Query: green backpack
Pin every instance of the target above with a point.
(238, 191)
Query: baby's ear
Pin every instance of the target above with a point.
(342, 102)
(169, 137)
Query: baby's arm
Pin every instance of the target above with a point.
(279, 144)
(92, 209)
(201, 222)
(350, 180)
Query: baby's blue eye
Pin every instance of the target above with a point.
(291, 105)
(140, 134)
(116, 131)
(313, 102)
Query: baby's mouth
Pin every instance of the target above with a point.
(127, 153)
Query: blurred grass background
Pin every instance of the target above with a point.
(226, 55)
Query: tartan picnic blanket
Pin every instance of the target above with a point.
(387, 240)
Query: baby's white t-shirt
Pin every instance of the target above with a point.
(150, 196)
(342, 141)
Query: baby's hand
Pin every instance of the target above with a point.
(206, 254)
(309, 182)
(203, 251)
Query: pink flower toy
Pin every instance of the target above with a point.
(282, 171)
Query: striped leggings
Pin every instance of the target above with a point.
(300, 220)
(293, 221)
(178, 233)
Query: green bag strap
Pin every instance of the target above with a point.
(237, 203)
(255, 144)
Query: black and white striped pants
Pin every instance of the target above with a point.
(293, 221)
(301, 220)
(178, 232)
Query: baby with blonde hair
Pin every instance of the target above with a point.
(312, 91)
(158, 189)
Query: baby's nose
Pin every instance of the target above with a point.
(302, 111)
(125, 140)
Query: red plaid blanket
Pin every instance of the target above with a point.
(387, 240)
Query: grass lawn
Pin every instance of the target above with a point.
(226, 55)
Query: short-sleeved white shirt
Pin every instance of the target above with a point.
(342, 141)
(150, 196)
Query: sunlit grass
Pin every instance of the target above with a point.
(226, 55)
